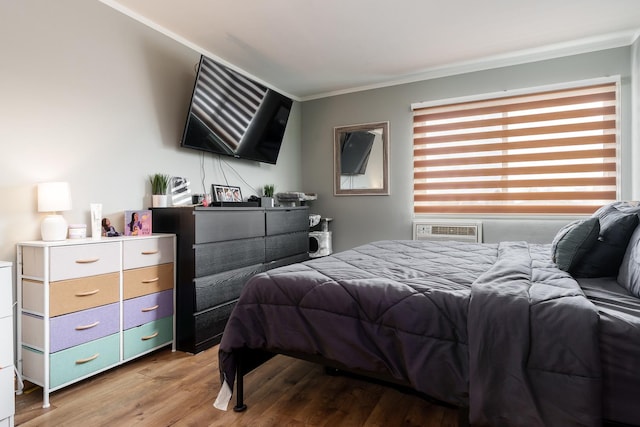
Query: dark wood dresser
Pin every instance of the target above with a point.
(218, 250)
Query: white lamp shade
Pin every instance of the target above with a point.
(54, 197)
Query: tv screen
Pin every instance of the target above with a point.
(233, 115)
(356, 148)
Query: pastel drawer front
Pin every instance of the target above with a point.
(148, 336)
(68, 262)
(72, 363)
(144, 252)
(78, 294)
(148, 308)
(83, 326)
(147, 280)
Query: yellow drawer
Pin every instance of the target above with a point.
(70, 262)
(67, 296)
(144, 281)
(145, 252)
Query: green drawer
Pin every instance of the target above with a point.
(148, 336)
(79, 361)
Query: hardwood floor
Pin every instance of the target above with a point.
(178, 389)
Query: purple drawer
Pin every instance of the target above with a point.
(144, 309)
(83, 326)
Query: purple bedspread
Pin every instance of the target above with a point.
(496, 328)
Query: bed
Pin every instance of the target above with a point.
(512, 333)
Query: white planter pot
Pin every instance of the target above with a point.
(159, 200)
(266, 202)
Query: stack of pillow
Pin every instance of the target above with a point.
(604, 245)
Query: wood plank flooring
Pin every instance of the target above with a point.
(178, 389)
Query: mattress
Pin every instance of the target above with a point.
(488, 327)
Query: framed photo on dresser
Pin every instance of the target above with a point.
(226, 193)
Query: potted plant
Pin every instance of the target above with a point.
(159, 183)
(266, 201)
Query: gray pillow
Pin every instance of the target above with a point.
(573, 241)
(617, 223)
(629, 273)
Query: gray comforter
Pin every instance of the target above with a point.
(495, 328)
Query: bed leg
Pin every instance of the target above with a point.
(463, 417)
(240, 406)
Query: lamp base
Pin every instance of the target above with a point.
(53, 228)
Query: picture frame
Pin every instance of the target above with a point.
(137, 223)
(226, 193)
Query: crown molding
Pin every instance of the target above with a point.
(576, 47)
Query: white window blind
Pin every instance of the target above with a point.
(552, 152)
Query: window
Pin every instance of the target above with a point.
(551, 152)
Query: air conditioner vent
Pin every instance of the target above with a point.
(444, 230)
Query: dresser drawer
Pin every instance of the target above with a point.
(235, 223)
(279, 220)
(223, 287)
(144, 252)
(148, 336)
(212, 258)
(148, 308)
(143, 281)
(76, 362)
(286, 245)
(78, 294)
(83, 326)
(68, 262)
(210, 324)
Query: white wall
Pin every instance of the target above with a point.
(360, 219)
(90, 96)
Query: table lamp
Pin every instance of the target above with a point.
(54, 197)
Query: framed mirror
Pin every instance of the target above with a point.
(361, 159)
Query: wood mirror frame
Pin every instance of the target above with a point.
(366, 157)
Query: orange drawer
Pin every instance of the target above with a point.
(67, 296)
(147, 280)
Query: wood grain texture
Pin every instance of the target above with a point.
(178, 389)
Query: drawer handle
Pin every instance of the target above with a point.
(83, 327)
(88, 359)
(155, 307)
(87, 261)
(151, 280)
(88, 293)
(148, 337)
(150, 252)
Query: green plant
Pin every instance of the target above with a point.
(268, 190)
(159, 183)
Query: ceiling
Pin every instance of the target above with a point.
(313, 48)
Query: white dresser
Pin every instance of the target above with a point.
(7, 396)
(89, 305)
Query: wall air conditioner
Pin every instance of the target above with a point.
(462, 231)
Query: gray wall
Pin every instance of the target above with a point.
(360, 219)
(92, 97)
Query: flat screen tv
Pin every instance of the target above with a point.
(233, 115)
(356, 148)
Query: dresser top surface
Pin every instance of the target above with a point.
(89, 240)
